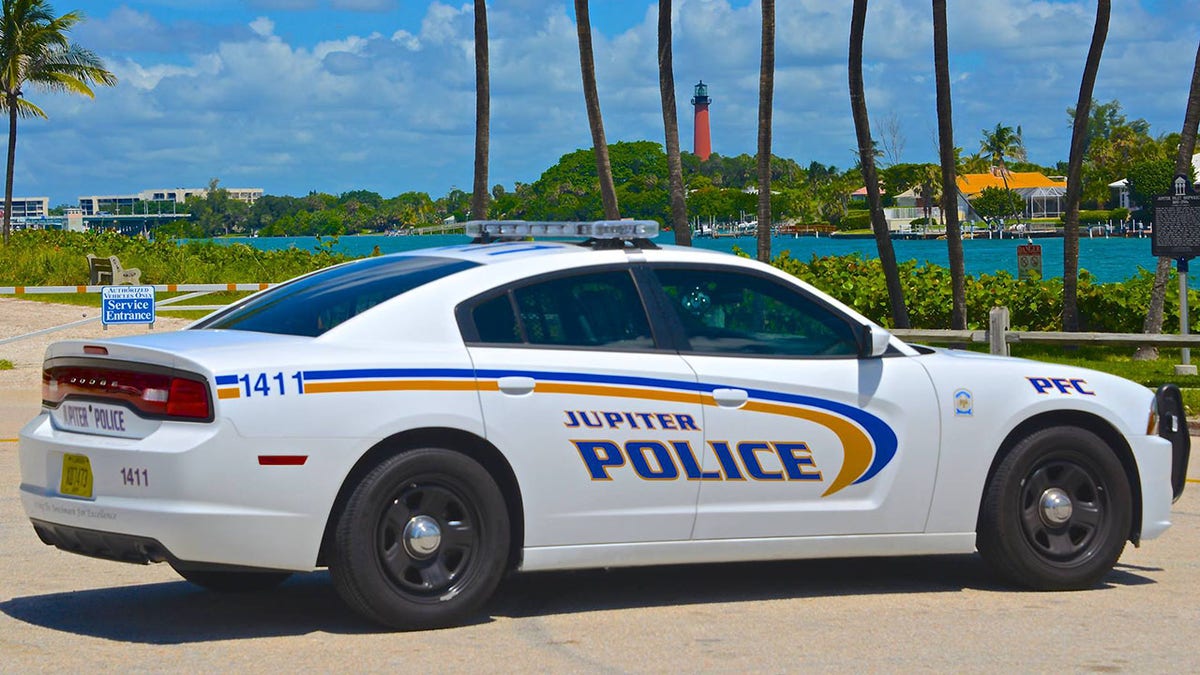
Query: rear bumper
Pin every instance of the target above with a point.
(121, 547)
(106, 545)
(207, 501)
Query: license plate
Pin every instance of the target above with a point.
(76, 476)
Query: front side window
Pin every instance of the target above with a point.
(600, 309)
(733, 312)
(314, 304)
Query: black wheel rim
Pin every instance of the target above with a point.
(1062, 538)
(442, 572)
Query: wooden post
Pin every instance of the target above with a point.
(997, 326)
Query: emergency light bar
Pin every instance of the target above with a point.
(598, 229)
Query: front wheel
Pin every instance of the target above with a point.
(423, 540)
(1057, 512)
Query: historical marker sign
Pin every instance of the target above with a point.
(1029, 260)
(1177, 222)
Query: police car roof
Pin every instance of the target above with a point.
(516, 251)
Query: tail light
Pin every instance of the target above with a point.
(159, 395)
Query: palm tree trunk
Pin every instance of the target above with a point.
(941, 67)
(666, 87)
(587, 66)
(483, 104)
(866, 154)
(1075, 166)
(766, 96)
(1187, 146)
(12, 161)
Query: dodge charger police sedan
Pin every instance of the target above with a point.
(424, 423)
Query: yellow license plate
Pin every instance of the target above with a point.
(76, 476)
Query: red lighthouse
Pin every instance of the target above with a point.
(702, 142)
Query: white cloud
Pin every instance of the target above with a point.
(262, 26)
(408, 40)
(393, 110)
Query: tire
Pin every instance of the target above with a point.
(233, 582)
(422, 541)
(1057, 512)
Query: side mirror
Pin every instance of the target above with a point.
(875, 342)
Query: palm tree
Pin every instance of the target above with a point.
(929, 187)
(1079, 135)
(587, 65)
(483, 104)
(941, 67)
(1187, 145)
(666, 87)
(34, 50)
(766, 95)
(866, 158)
(1003, 141)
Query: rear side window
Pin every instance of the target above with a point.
(316, 303)
(601, 309)
(496, 321)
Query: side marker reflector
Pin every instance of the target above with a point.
(282, 460)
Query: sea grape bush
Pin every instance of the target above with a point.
(45, 258)
(1034, 304)
(54, 258)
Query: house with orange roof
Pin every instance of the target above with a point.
(1043, 194)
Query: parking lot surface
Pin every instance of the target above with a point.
(61, 612)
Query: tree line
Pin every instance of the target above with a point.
(35, 52)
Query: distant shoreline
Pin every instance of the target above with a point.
(1108, 260)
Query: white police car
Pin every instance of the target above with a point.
(423, 423)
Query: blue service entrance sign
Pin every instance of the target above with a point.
(126, 304)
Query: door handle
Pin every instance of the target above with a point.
(730, 398)
(516, 385)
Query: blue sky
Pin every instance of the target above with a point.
(335, 95)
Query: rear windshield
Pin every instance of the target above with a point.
(316, 303)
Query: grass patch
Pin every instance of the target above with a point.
(5, 364)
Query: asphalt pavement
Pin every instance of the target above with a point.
(61, 612)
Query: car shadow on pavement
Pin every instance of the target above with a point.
(547, 593)
(177, 612)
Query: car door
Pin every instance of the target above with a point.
(802, 436)
(593, 416)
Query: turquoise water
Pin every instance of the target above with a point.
(1113, 259)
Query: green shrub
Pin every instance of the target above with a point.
(57, 258)
(855, 220)
(1034, 304)
(1099, 217)
(5, 364)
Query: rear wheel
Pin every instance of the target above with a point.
(1057, 512)
(423, 540)
(233, 582)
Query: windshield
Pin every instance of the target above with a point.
(314, 304)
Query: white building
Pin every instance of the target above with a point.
(1120, 189)
(96, 204)
(29, 207)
